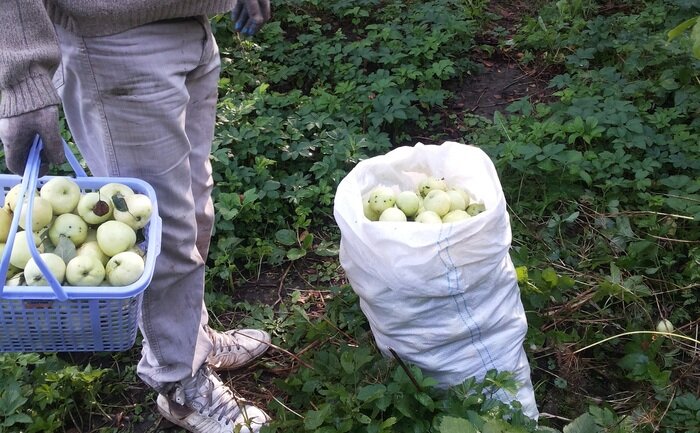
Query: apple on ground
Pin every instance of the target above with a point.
(124, 268)
(114, 237)
(62, 192)
(20, 254)
(393, 214)
(137, 213)
(71, 226)
(42, 214)
(664, 325)
(33, 275)
(85, 270)
(94, 208)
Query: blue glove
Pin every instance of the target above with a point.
(17, 135)
(249, 15)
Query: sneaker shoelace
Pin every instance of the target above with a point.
(221, 344)
(208, 395)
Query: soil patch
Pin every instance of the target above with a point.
(499, 84)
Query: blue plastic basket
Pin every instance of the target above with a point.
(57, 318)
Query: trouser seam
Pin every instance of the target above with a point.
(107, 136)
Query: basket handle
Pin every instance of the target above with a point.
(29, 185)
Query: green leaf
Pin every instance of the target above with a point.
(11, 398)
(680, 28)
(550, 276)
(583, 424)
(695, 38)
(295, 253)
(119, 202)
(371, 392)
(65, 249)
(451, 424)
(327, 249)
(286, 237)
(425, 400)
(315, 418)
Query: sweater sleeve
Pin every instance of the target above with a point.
(29, 55)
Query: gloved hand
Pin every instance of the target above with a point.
(17, 135)
(249, 15)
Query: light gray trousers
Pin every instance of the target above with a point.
(142, 103)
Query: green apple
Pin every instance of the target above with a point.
(455, 215)
(381, 198)
(138, 250)
(664, 325)
(430, 183)
(15, 280)
(465, 195)
(85, 270)
(370, 213)
(408, 202)
(34, 276)
(42, 214)
(393, 214)
(11, 197)
(92, 248)
(109, 190)
(124, 268)
(138, 212)
(428, 217)
(94, 208)
(437, 201)
(5, 224)
(62, 192)
(456, 200)
(475, 208)
(71, 226)
(11, 270)
(91, 234)
(114, 237)
(20, 254)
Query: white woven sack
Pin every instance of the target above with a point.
(443, 296)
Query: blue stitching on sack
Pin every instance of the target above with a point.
(452, 290)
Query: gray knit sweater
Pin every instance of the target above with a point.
(29, 51)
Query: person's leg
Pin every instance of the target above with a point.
(127, 98)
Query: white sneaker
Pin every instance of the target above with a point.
(204, 404)
(235, 349)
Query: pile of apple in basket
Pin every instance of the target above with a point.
(432, 202)
(86, 238)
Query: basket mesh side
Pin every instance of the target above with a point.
(72, 326)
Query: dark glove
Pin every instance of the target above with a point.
(17, 135)
(249, 15)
